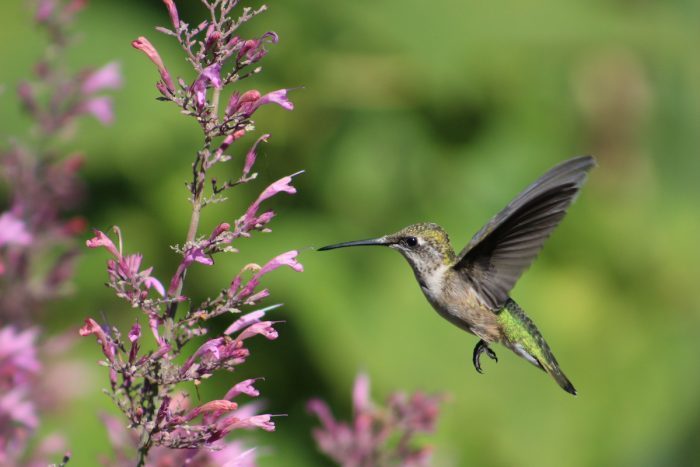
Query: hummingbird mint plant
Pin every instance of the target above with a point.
(150, 386)
(38, 232)
(377, 435)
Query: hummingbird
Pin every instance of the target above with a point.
(471, 289)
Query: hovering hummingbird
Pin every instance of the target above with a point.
(471, 289)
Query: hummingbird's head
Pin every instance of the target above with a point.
(426, 246)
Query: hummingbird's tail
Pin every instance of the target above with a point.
(523, 338)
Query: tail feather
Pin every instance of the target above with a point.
(523, 337)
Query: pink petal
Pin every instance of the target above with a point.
(13, 230)
(107, 77)
(360, 394)
(152, 282)
(102, 240)
(245, 321)
(100, 108)
(251, 156)
(244, 387)
(278, 97)
(263, 328)
(172, 11)
(146, 47)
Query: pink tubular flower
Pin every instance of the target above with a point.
(13, 230)
(368, 437)
(282, 185)
(197, 255)
(285, 259)
(360, 394)
(99, 107)
(211, 75)
(250, 101)
(92, 327)
(243, 104)
(264, 328)
(102, 240)
(244, 387)
(146, 47)
(172, 11)
(256, 421)
(18, 360)
(107, 77)
(45, 9)
(245, 321)
(251, 155)
(215, 407)
(278, 97)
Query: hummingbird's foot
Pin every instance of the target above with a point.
(480, 348)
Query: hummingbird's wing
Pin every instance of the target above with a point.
(498, 254)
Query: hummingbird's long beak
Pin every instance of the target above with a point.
(371, 241)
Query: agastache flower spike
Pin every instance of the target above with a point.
(368, 437)
(144, 383)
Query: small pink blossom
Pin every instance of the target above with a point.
(18, 355)
(135, 332)
(15, 406)
(152, 282)
(360, 394)
(92, 327)
(211, 75)
(197, 255)
(245, 321)
(282, 185)
(172, 11)
(285, 259)
(216, 407)
(99, 107)
(13, 230)
(221, 228)
(107, 77)
(264, 328)
(102, 240)
(242, 104)
(256, 421)
(278, 97)
(244, 387)
(251, 155)
(146, 47)
(45, 10)
(368, 436)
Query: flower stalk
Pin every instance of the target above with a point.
(147, 385)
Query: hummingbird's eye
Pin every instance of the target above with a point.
(411, 241)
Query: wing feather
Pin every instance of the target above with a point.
(505, 247)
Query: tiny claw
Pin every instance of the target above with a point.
(480, 348)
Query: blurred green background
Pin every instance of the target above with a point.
(442, 112)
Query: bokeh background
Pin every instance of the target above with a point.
(438, 111)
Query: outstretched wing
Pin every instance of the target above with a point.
(500, 252)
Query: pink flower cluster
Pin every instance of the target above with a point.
(19, 368)
(377, 435)
(220, 57)
(174, 425)
(146, 386)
